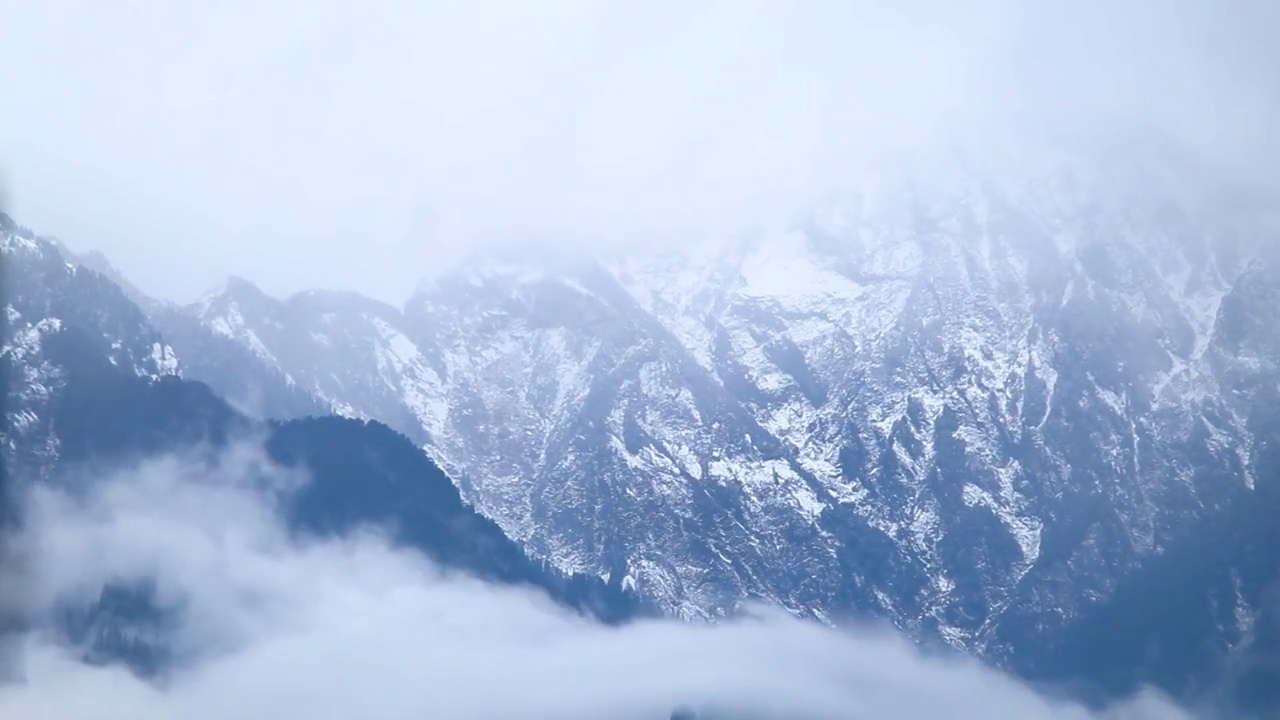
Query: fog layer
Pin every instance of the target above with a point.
(330, 144)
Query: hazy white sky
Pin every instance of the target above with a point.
(353, 627)
(362, 144)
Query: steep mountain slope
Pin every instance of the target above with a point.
(50, 303)
(516, 382)
(317, 348)
(91, 384)
(250, 382)
(970, 405)
(253, 385)
(1019, 393)
(1201, 617)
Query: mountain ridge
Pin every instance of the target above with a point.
(89, 394)
(917, 367)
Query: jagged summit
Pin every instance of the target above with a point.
(233, 288)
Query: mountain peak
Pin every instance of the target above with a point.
(238, 285)
(233, 288)
(15, 237)
(322, 300)
(511, 265)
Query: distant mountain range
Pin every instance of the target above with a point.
(1010, 413)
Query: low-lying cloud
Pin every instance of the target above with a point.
(273, 626)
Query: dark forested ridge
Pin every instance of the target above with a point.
(362, 471)
(358, 472)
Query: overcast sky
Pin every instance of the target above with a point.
(360, 145)
(272, 627)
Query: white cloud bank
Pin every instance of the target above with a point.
(278, 628)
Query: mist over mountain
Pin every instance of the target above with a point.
(385, 143)
(594, 360)
(973, 404)
(999, 411)
(95, 391)
(191, 544)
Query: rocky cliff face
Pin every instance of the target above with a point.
(969, 405)
(1202, 617)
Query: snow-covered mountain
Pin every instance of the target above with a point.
(969, 405)
(89, 382)
(57, 310)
